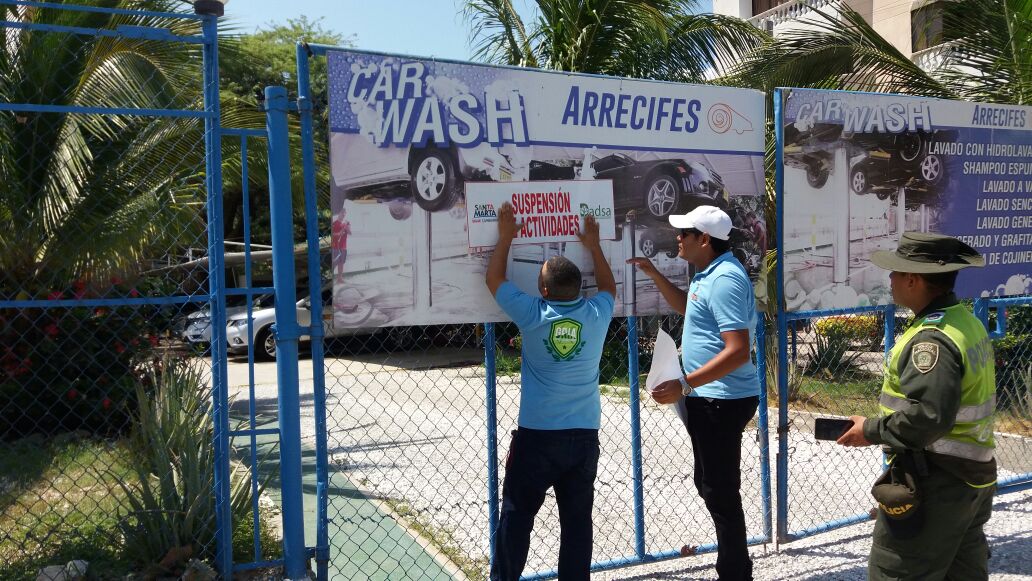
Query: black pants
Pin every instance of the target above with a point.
(715, 427)
(566, 460)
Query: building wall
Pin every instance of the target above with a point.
(890, 18)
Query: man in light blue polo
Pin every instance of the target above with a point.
(720, 388)
(556, 445)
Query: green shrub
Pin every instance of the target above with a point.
(855, 329)
(833, 348)
(171, 504)
(66, 369)
(1013, 356)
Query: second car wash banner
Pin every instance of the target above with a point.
(411, 138)
(859, 169)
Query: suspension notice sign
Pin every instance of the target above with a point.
(550, 211)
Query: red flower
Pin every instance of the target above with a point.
(55, 296)
(51, 330)
(106, 402)
(119, 348)
(135, 342)
(134, 293)
(79, 294)
(100, 311)
(153, 340)
(72, 394)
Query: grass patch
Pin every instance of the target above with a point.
(59, 501)
(506, 364)
(476, 569)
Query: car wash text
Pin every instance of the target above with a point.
(409, 112)
(890, 118)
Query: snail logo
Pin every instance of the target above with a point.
(722, 117)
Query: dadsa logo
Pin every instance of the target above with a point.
(484, 211)
(598, 212)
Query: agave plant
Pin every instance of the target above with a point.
(171, 503)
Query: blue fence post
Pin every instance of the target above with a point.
(761, 372)
(782, 457)
(304, 106)
(217, 294)
(492, 436)
(636, 469)
(287, 332)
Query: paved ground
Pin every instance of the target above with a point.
(411, 436)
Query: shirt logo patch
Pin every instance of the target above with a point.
(935, 317)
(924, 356)
(564, 339)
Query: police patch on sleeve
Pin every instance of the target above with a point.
(924, 356)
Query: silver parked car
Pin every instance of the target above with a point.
(263, 319)
(196, 327)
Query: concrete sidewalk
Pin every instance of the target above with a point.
(360, 528)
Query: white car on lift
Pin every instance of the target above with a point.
(431, 175)
(261, 327)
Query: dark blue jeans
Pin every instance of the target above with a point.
(567, 461)
(715, 427)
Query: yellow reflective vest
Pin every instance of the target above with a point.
(971, 437)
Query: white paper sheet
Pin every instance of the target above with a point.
(666, 365)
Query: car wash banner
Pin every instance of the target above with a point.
(411, 138)
(859, 169)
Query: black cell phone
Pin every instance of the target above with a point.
(830, 428)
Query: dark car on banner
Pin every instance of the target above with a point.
(654, 189)
(886, 162)
(891, 161)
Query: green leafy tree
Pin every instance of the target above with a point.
(89, 195)
(652, 39)
(258, 60)
(989, 58)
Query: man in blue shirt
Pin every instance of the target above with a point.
(720, 388)
(556, 444)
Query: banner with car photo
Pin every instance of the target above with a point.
(408, 135)
(859, 169)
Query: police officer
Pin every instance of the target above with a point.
(936, 427)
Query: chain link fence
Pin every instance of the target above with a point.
(835, 369)
(1013, 353)
(106, 452)
(407, 435)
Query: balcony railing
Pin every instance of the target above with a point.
(789, 11)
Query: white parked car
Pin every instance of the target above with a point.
(196, 327)
(263, 319)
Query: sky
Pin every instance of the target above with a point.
(430, 28)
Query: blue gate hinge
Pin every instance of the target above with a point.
(322, 553)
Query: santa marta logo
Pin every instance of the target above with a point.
(564, 339)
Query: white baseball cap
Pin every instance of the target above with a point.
(707, 219)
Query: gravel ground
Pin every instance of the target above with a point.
(416, 436)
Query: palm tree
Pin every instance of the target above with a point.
(85, 194)
(653, 39)
(988, 59)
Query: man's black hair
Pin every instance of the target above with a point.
(719, 246)
(562, 278)
(941, 282)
